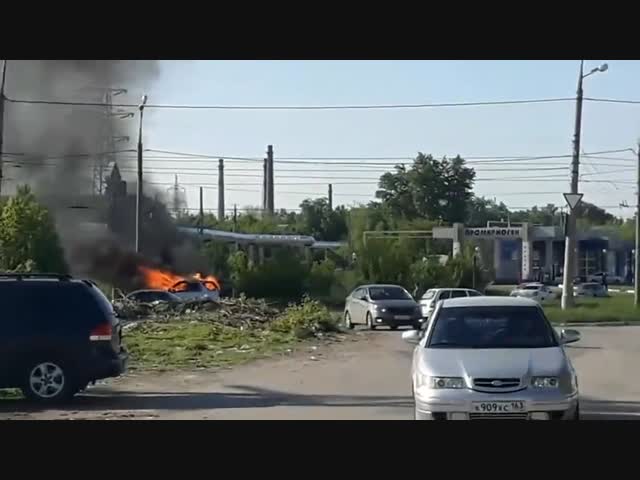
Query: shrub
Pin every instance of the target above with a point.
(305, 319)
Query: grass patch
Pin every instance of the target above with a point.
(11, 394)
(184, 344)
(617, 308)
(191, 345)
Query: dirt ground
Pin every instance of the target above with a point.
(366, 377)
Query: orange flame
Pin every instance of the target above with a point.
(164, 280)
(209, 281)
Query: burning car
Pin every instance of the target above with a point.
(194, 290)
(195, 287)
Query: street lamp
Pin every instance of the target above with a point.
(570, 242)
(139, 189)
(476, 250)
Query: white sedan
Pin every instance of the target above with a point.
(535, 291)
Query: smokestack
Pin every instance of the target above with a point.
(270, 189)
(265, 187)
(330, 197)
(221, 208)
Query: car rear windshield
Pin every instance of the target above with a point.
(59, 306)
(491, 327)
(388, 293)
(187, 287)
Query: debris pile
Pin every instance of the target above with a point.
(238, 312)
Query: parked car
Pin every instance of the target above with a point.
(534, 291)
(611, 279)
(153, 296)
(432, 296)
(57, 334)
(592, 289)
(492, 358)
(376, 305)
(195, 290)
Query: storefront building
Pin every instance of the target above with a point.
(525, 252)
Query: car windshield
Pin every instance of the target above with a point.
(389, 293)
(491, 327)
(531, 287)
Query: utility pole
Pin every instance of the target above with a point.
(270, 189)
(201, 220)
(139, 189)
(235, 216)
(221, 208)
(176, 196)
(636, 266)
(330, 197)
(2, 97)
(570, 242)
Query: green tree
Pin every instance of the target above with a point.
(430, 188)
(482, 210)
(318, 220)
(28, 238)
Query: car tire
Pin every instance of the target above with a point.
(347, 321)
(370, 324)
(60, 382)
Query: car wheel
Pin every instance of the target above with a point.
(347, 321)
(370, 324)
(48, 381)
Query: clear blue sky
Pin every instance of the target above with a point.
(544, 129)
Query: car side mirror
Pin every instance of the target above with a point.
(569, 336)
(411, 336)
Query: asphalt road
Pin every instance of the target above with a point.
(365, 379)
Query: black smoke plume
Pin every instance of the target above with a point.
(47, 145)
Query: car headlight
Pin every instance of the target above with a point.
(446, 382)
(545, 382)
(378, 308)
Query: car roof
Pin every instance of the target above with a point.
(452, 288)
(489, 302)
(381, 285)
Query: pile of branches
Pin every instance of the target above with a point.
(237, 312)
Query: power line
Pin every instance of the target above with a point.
(612, 100)
(295, 107)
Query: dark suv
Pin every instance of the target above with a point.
(57, 334)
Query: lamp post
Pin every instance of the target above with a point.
(139, 189)
(570, 242)
(476, 250)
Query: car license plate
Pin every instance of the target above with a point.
(499, 407)
(402, 317)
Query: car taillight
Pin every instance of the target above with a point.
(101, 333)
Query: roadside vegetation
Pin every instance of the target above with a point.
(201, 341)
(616, 308)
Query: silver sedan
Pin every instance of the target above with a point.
(492, 358)
(377, 305)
